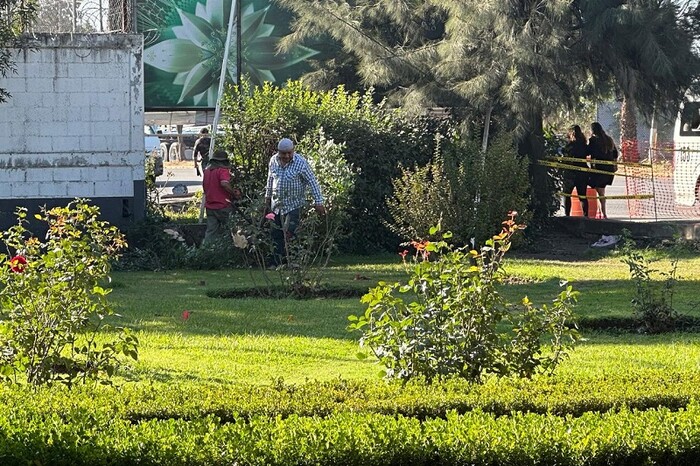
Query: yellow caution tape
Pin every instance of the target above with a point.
(601, 162)
(625, 196)
(565, 166)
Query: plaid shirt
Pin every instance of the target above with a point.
(286, 186)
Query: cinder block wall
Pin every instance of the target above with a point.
(74, 125)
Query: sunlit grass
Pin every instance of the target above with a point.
(261, 340)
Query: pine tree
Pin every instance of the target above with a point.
(512, 60)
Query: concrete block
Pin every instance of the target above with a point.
(99, 143)
(12, 175)
(44, 175)
(15, 84)
(42, 85)
(53, 189)
(40, 145)
(96, 174)
(85, 188)
(122, 174)
(55, 128)
(24, 190)
(80, 99)
(112, 189)
(64, 144)
(67, 174)
(102, 128)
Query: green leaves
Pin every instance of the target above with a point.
(53, 300)
(454, 325)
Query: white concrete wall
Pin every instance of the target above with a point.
(74, 124)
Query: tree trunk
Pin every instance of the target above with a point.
(542, 187)
(629, 146)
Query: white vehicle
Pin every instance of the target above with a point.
(153, 150)
(686, 155)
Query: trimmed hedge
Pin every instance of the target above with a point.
(659, 437)
(558, 396)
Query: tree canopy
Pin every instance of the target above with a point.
(15, 17)
(512, 61)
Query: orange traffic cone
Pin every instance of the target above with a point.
(576, 209)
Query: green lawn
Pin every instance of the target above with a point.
(261, 340)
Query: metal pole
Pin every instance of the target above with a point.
(222, 80)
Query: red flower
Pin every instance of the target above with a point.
(18, 264)
(185, 315)
(403, 253)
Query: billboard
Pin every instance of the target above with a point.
(184, 44)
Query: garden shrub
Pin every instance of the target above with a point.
(652, 303)
(467, 190)
(316, 238)
(54, 304)
(454, 326)
(375, 141)
(83, 437)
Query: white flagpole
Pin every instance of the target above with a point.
(222, 81)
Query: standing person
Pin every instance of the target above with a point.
(218, 194)
(576, 148)
(601, 147)
(288, 177)
(200, 151)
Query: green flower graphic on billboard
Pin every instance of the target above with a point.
(184, 48)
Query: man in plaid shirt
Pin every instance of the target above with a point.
(288, 177)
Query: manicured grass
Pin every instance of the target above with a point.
(261, 340)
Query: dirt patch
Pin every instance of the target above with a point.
(561, 246)
(284, 293)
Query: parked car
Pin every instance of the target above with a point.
(153, 153)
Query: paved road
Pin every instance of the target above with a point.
(178, 174)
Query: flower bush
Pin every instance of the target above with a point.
(54, 303)
(316, 237)
(459, 324)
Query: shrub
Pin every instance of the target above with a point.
(53, 300)
(467, 190)
(308, 253)
(453, 328)
(652, 304)
(375, 141)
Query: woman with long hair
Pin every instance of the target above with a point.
(576, 148)
(601, 147)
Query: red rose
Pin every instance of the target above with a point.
(18, 264)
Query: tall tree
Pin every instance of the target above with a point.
(15, 18)
(516, 59)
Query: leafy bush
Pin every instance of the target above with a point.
(453, 327)
(308, 253)
(652, 303)
(66, 431)
(53, 301)
(467, 190)
(375, 141)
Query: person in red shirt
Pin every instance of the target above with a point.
(218, 194)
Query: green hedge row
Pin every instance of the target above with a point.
(659, 437)
(558, 396)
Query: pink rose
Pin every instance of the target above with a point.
(270, 216)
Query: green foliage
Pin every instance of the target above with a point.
(453, 328)
(468, 190)
(652, 303)
(316, 238)
(375, 141)
(157, 245)
(53, 300)
(83, 431)
(15, 18)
